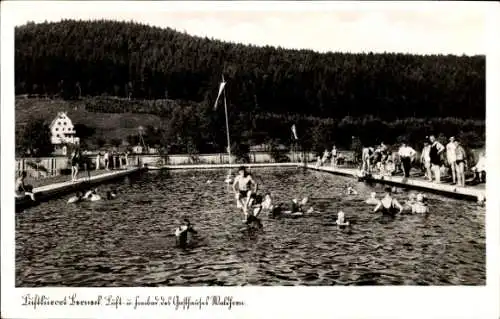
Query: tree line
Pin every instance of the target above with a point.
(200, 129)
(74, 59)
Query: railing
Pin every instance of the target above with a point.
(52, 166)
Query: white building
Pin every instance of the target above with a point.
(137, 149)
(63, 132)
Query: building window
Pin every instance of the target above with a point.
(64, 123)
(58, 123)
(57, 129)
(57, 135)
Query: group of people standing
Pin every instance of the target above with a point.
(328, 156)
(454, 157)
(434, 158)
(112, 160)
(109, 161)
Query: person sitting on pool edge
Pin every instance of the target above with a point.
(388, 205)
(22, 189)
(244, 183)
(182, 238)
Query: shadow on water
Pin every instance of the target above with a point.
(128, 241)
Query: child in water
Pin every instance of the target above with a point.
(111, 194)
(373, 199)
(351, 191)
(76, 199)
(296, 208)
(92, 195)
(411, 201)
(419, 207)
(182, 238)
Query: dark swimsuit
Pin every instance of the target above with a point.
(74, 161)
(243, 194)
(434, 155)
(389, 211)
(257, 199)
(183, 237)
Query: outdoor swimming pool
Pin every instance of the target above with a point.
(129, 241)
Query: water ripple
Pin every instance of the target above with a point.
(128, 241)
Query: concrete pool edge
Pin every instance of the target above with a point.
(50, 191)
(442, 189)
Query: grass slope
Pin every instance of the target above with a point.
(111, 125)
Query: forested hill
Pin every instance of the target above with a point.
(91, 58)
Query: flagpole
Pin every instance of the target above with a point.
(227, 127)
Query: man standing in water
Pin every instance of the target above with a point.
(243, 186)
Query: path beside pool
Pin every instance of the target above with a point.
(468, 192)
(49, 190)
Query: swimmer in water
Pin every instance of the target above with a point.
(373, 199)
(182, 238)
(351, 191)
(341, 221)
(481, 199)
(111, 194)
(296, 208)
(243, 187)
(419, 207)
(411, 201)
(76, 199)
(255, 204)
(92, 195)
(388, 205)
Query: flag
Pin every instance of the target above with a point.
(294, 131)
(221, 88)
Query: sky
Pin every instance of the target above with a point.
(420, 28)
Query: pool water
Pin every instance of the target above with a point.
(129, 241)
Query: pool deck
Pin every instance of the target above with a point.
(45, 192)
(467, 192)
